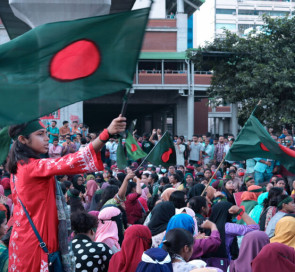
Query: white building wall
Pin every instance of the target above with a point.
(158, 9)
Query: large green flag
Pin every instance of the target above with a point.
(60, 63)
(134, 151)
(255, 142)
(163, 152)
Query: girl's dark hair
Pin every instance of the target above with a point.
(166, 186)
(223, 189)
(130, 186)
(279, 179)
(177, 198)
(279, 199)
(272, 199)
(176, 239)
(180, 175)
(155, 177)
(75, 202)
(164, 180)
(108, 193)
(19, 152)
(63, 188)
(67, 183)
(83, 222)
(114, 181)
(196, 203)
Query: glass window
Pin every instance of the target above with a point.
(226, 26)
(226, 11)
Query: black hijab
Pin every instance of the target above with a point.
(196, 190)
(160, 216)
(220, 216)
(80, 188)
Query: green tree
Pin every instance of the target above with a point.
(259, 66)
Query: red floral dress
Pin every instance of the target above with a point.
(35, 185)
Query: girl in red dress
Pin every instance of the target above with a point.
(36, 187)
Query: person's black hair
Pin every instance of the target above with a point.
(130, 186)
(82, 222)
(152, 201)
(107, 194)
(229, 196)
(83, 140)
(138, 174)
(114, 181)
(279, 199)
(75, 122)
(146, 134)
(68, 184)
(53, 121)
(180, 174)
(272, 199)
(164, 180)
(196, 203)
(177, 177)
(59, 177)
(121, 177)
(65, 122)
(279, 179)
(63, 188)
(146, 174)
(75, 202)
(166, 186)
(176, 239)
(19, 152)
(178, 199)
(6, 237)
(154, 177)
(55, 140)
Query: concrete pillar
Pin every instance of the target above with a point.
(181, 116)
(180, 6)
(234, 119)
(214, 126)
(181, 24)
(191, 104)
(221, 126)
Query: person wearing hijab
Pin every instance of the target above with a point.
(107, 230)
(78, 183)
(167, 193)
(249, 199)
(137, 239)
(91, 188)
(5, 182)
(221, 215)
(285, 206)
(275, 257)
(191, 213)
(196, 190)
(228, 190)
(160, 217)
(252, 244)
(257, 210)
(285, 232)
(155, 260)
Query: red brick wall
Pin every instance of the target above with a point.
(162, 23)
(160, 41)
(203, 79)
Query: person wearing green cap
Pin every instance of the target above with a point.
(34, 184)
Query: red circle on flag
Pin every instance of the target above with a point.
(166, 155)
(77, 60)
(133, 147)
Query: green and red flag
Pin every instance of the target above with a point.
(58, 64)
(134, 151)
(121, 157)
(163, 152)
(255, 142)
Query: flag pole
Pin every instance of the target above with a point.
(212, 177)
(150, 152)
(125, 102)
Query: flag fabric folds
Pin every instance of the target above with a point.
(255, 142)
(58, 64)
(121, 157)
(163, 153)
(134, 151)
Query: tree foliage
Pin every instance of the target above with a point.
(260, 66)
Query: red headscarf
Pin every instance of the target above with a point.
(274, 257)
(5, 182)
(137, 239)
(248, 195)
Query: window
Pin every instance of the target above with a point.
(231, 27)
(226, 11)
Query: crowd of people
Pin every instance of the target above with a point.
(185, 217)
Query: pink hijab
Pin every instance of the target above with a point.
(107, 230)
(8, 200)
(91, 189)
(167, 193)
